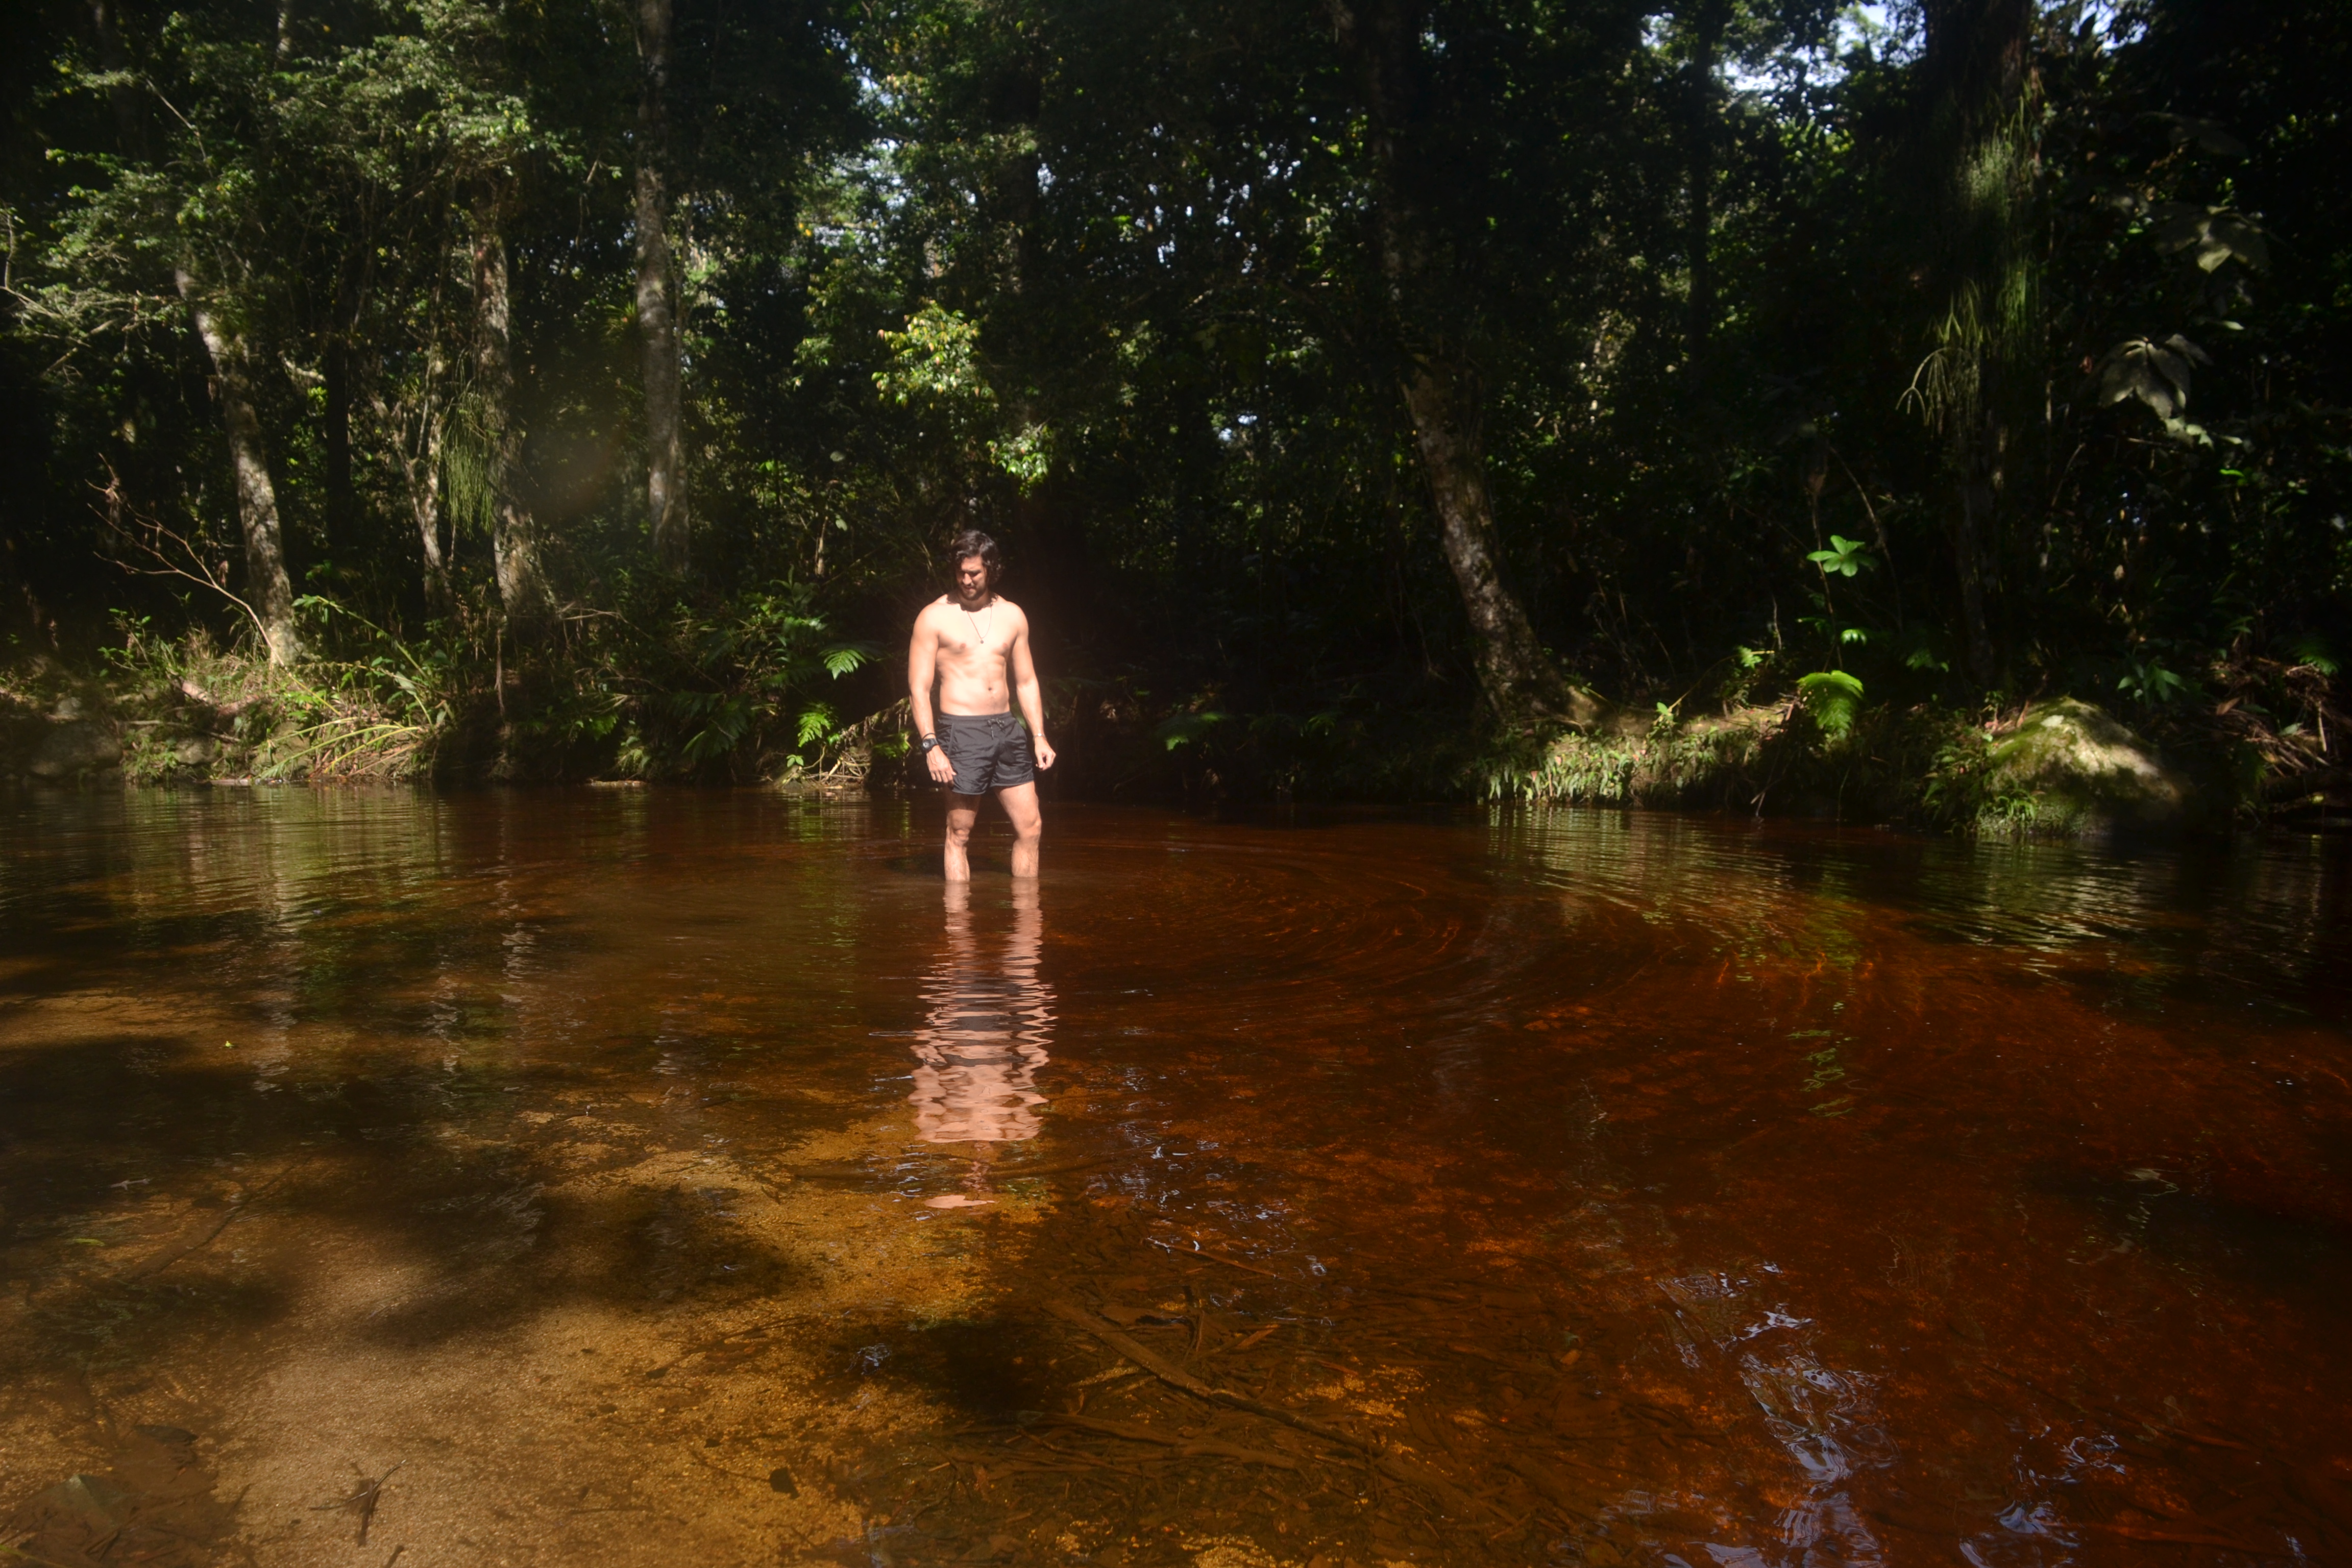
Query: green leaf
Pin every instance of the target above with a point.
(2205, 133)
(1923, 658)
(2312, 651)
(2211, 235)
(1027, 456)
(842, 658)
(1847, 558)
(936, 358)
(2151, 683)
(2157, 374)
(1833, 698)
(1186, 728)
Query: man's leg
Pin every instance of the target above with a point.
(1020, 802)
(963, 810)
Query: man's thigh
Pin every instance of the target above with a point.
(1020, 803)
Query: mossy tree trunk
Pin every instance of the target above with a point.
(516, 557)
(658, 325)
(1982, 169)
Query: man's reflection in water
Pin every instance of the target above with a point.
(986, 1028)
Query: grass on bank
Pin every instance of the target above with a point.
(189, 709)
(747, 693)
(739, 693)
(2262, 737)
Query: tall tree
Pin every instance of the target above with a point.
(270, 592)
(658, 293)
(1702, 130)
(215, 318)
(1440, 382)
(1978, 140)
(1367, 353)
(419, 291)
(516, 554)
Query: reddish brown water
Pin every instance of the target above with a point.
(682, 1178)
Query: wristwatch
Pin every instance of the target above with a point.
(930, 743)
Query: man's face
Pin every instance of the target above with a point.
(971, 578)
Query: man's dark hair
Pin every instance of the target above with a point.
(971, 543)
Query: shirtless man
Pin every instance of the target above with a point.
(975, 646)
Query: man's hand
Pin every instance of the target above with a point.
(1045, 752)
(942, 769)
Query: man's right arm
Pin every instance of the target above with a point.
(922, 671)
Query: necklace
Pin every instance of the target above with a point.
(978, 633)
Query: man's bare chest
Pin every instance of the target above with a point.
(971, 647)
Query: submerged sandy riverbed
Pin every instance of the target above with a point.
(570, 1179)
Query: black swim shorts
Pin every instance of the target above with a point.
(990, 750)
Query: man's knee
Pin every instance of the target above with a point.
(960, 832)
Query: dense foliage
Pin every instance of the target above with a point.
(1360, 387)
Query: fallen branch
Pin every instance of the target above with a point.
(1187, 1446)
(1551, 1484)
(363, 1501)
(157, 1265)
(2178, 1537)
(151, 543)
(1185, 1382)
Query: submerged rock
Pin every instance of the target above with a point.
(2071, 767)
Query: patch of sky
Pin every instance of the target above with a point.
(1887, 32)
(1892, 32)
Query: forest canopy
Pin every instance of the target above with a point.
(1366, 393)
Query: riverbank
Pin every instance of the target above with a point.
(2047, 767)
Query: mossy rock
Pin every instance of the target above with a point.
(73, 749)
(2071, 768)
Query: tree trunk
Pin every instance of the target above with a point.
(420, 470)
(514, 532)
(270, 591)
(341, 502)
(425, 503)
(656, 294)
(1519, 679)
(1712, 18)
(1973, 522)
(1440, 389)
(1980, 173)
(121, 88)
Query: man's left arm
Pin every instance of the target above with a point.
(1026, 691)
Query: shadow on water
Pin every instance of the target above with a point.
(653, 1175)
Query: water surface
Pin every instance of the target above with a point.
(667, 1178)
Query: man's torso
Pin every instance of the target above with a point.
(974, 654)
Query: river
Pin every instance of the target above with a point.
(640, 1177)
